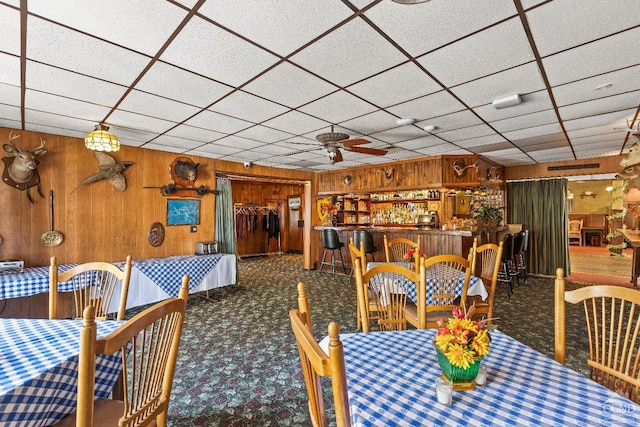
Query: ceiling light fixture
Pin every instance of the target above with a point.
(101, 140)
(507, 101)
(405, 122)
(430, 128)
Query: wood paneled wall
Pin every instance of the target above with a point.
(98, 222)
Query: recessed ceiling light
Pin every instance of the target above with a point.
(404, 122)
(430, 128)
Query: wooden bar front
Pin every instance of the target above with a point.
(432, 241)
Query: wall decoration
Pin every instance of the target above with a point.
(346, 180)
(110, 170)
(21, 170)
(156, 234)
(183, 173)
(183, 212)
(321, 209)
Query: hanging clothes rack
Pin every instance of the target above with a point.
(251, 209)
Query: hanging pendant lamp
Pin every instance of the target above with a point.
(101, 140)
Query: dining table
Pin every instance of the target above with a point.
(476, 286)
(391, 379)
(39, 369)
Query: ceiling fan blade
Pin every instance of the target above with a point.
(338, 157)
(366, 150)
(352, 142)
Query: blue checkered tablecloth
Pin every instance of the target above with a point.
(474, 286)
(167, 272)
(391, 382)
(32, 281)
(38, 369)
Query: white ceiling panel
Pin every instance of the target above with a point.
(71, 50)
(144, 28)
(10, 24)
(423, 27)
(277, 25)
(290, 86)
(212, 52)
(397, 85)
(553, 32)
(257, 80)
(356, 40)
(248, 107)
(338, 107)
(467, 59)
(180, 85)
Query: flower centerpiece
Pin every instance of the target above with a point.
(330, 210)
(410, 255)
(461, 343)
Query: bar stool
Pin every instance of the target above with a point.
(367, 238)
(331, 242)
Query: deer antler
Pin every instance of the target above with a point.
(459, 169)
(12, 136)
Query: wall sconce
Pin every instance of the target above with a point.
(588, 194)
(101, 140)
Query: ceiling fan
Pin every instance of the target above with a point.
(334, 141)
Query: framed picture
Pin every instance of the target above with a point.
(183, 212)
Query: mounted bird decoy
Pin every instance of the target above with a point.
(110, 170)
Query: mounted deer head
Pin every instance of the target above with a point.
(21, 170)
(388, 172)
(460, 166)
(633, 157)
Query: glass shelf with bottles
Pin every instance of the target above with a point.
(406, 196)
(491, 197)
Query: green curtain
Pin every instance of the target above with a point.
(541, 206)
(225, 224)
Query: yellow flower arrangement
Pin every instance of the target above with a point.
(461, 339)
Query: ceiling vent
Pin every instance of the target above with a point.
(573, 167)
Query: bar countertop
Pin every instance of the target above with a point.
(405, 229)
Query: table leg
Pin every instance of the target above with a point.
(635, 266)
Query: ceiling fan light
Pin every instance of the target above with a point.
(331, 137)
(101, 140)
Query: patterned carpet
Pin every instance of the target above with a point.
(238, 362)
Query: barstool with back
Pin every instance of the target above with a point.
(331, 242)
(367, 238)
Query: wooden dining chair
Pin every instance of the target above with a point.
(442, 275)
(316, 363)
(94, 283)
(396, 249)
(486, 265)
(389, 285)
(359, 256)
(613, 328)
(147, 346)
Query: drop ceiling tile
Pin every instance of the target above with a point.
(607, 105)
(610, 121)
(357, 41)
(58, 125)
(368, 124)
(468, 58)
(540, 139)
(244, 156)
(469, 132)
(248, 107)
(10, 94)
(338, 107)
(45, 102)
(264, 134)
(438, 150)
(533, 131)
(289, 85)
(523, 79)
(596, 135)
(426, 107)
(56, 81)
(238, 142)
(279, 26)
(419, 143)
(9, 69)
(594, 58)
(624, 80)
(10, 115)
(216, 150)
(273, 149)
(179, 143)
(218, 122)
(400, 84)
(486, 148)
(399, 133)
(154, 106)
(609, 140)
(53, 130)
(181, 85)
(422, 27)
(205, 49)
(68, 49)
(553, 155)
(10, 24)
(560, 25)
(138, 122)
(165, 148)
(142, 25)
(297, 123)
(195, 133)
(526, 121)
(492, 140)
(457, 120)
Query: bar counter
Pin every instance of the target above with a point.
(433, 241)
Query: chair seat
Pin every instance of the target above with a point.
(107, 413)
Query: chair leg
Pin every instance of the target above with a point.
(333, 262)
(344, 270)
(324, 256)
